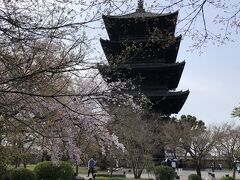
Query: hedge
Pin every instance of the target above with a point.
(164, 172)
(227, 178)
(194, 177)
(48, 171)
(19, 174)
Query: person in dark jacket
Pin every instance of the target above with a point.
(91, 165)
(168, 162)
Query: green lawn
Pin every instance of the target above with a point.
(116, 178)
(83, 170)
(29, 166)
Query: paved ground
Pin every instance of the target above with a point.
(184, 174)
(205, 174)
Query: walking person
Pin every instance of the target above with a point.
(168, 162)
(91, 165)
(180, 166)
(213, 166)
(220, 166)
(173, 164)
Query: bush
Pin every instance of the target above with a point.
(164, 172)
(3, 170)
(105, 178)
(21, 174)
(111, 176)
(194, 177)
(47, 171)
(3, 161)
(227, 178)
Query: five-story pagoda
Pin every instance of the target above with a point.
(143, 48)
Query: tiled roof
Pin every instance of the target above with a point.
(138, 14)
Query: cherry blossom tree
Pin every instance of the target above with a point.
(203, 21)
(139, 132)
(46, 84)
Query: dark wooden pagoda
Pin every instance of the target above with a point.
(143, 48)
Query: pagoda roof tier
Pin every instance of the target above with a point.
(148, 76)
(165, 102)
(140, 51)
(142, 14)
(140, 25)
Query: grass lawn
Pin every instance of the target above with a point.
(105, 178)
(81, 170)
(29, 166)
(84, 170)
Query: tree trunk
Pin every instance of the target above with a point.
(102, 162)
(76, 169)
(137, 174)
(17, 162)
(137, 171)
(230, 163)
(111, 160)
(234, 169)
(24, 164)
(198, 167)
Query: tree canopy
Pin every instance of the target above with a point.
(47, 82)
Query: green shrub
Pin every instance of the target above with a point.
(21, 174)
(3, 170)
(164, 172)
(194, 177)
(112, 176)
(47, 171)
(6, 176)
(3, 161)
(227, 178)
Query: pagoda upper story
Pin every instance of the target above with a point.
(143, 48)
(139, 25)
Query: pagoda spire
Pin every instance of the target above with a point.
(140, 6)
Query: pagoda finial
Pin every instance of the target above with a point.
(140, 6)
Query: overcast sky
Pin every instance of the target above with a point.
(213, 79)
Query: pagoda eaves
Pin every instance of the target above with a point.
(132, 51)
(149, 76)
(143, 48)
(139, 25)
